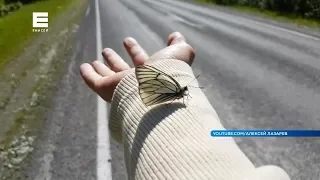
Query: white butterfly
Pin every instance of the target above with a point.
(155, 86)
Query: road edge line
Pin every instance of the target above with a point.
(103, 140)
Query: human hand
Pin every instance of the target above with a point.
(103, 80)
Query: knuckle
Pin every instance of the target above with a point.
(96, 62)
(117, 67)
(189, 49)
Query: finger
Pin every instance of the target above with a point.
(115, 62)
(102, 69)
(136, 52)
(89, 75)
(107, 85)
(176, 38)
(112, 81)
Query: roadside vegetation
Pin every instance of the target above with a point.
(31, 67)
(16, 24)
(9, 6)
(301, 12)
(6, 9)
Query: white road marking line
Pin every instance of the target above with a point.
(88, 11)
(103, 141)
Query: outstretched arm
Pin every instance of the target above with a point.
(168, 142)
(173, 141)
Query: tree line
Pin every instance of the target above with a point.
(21, 1)
(303, 8)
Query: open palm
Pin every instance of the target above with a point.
(103, 79)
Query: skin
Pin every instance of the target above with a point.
(103, 79)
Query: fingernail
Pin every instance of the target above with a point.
(130, 42)
(106, 52)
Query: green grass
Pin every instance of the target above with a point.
(16, 28)
(290, 18)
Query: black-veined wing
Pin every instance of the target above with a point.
(156, 86)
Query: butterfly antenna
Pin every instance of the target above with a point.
(192, 81)
(201, 87)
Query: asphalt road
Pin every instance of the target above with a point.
(256, 75)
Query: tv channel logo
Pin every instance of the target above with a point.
(40, 21)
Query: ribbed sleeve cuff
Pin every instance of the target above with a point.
(126, 93)
(173, 142)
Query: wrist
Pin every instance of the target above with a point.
(127, 108)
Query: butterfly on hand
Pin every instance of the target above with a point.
(155, 86)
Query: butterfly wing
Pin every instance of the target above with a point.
(156, 86)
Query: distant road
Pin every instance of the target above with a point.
(256, 75)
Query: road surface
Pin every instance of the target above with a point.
(257, 74)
